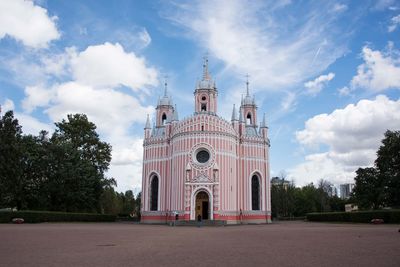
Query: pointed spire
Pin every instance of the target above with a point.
(165, 86)
(247, 86)
(206, 75)
(241, 115)
(264, 122)
(147, 122)
(234, 113)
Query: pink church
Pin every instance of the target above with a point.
(205, 166)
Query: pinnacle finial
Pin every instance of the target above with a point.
(264, 122)
(234, 113)
(175, 117)
(147, 122)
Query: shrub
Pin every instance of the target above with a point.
(50, 216)
(388, 216)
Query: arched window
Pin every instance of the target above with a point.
(203, 107)
(248, 119)
(163, 119)
(255, 193)
(154, 193)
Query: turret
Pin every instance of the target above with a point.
(164, 108)
(249, 108)
(206, 94)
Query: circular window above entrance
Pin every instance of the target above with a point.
(203, 156)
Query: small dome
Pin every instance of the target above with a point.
(165, 100)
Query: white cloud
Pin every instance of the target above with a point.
(31, 125)
(89, 82)
(112, 111)
(380, 70)
(247, 37)
(108, 65)
(289, 102)
(27, 22)
(128, 150)
(315, 86)
(344, 91)
(339, 7)
(394, 22)
(135, 37)
(36, 96)
(128, 177)
(126, 165)
(352, 136)
(381, 5)
(57, 64)
(144, 37)
(7, 105)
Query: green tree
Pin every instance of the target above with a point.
(80, 161)
(322, 191)
(11, 183)
(138, 204)
(35, 167)
(369, 189)
(379, 186)
(306, 200)
(110, 201)
(128, 202)
(388, 166)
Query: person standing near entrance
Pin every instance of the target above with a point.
(198, 220)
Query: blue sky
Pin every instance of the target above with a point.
(326, 73)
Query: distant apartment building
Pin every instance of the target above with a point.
(345, 190)
(280, 182)
(332, 190)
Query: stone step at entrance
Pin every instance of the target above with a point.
(203, 223)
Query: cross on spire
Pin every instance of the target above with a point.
(206, 75)
(247, 85)
(165, 85)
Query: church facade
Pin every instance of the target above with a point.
(205, 166)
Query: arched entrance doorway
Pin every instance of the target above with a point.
(202, 206)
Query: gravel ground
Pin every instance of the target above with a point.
(125, 244)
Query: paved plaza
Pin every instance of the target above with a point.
(125, 244)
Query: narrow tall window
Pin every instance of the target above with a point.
(255, 193)
(248, 119)
(203, 107)
(163, 119)
(154, 193)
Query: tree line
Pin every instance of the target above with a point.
(379, 186)
(64, 171)
(287, 200)
(376, 187)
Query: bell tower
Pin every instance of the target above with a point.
(249, 108)
(165, 109)
(206, 94)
